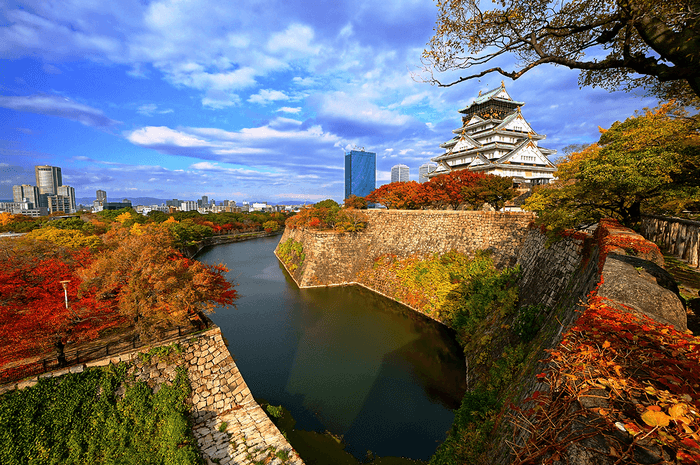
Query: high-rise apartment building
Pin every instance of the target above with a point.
(27, 193)
(424, 170)
(59, 203)
(48, 178)
(69, 193)
(360, 173)
(399, 173)
(101, 195)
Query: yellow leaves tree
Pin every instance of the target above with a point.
(124, 217)
(70, 238)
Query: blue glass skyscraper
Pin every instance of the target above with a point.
(360, 173)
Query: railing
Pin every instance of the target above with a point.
(79, 356)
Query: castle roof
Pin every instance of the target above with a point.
(499, 94)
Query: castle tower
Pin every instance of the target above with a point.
(496, 139)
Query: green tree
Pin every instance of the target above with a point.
(628, 44)
(650, 163)
(495, 190)
(328, 203)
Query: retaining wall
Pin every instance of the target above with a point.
(219, 395)
(558, 277)
(334, 258)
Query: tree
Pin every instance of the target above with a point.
(33, 315)
(328, 203)
(648, 163)
(449, 189)
(396, 195)
(271, 226)
(70, 238)
(151, 282)
(495, 190)
(652, 44)
(355, 202)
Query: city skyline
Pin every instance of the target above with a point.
(172, 99)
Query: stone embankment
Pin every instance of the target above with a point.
(616, 264)
(229, 425)
(192, 250)
(334, 258)
(678, 236)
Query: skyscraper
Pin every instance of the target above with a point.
(399, 173)
(424, 170)
(48, 178)
(101, 196)
(360, 173)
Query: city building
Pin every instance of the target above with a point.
(101, 196)
(188, 205)
(496, 139)
(117, 205)
(68, 192)
(424, 170)
(48, 178)
(59, 203)
(399, 173)
(260, 207)
(26, 193)
(360, 173)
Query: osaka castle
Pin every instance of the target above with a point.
(496, 139)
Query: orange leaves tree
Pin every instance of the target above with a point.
(153, 284)
(451, 189)
(397, 195)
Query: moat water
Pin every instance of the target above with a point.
(341, 359)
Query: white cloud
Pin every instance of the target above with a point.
(161, 135)
(266, 96)
(341, 105)
(54, 105)
(295, 110)
(150, 109)
(296, 39)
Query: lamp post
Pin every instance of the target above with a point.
(65, 291)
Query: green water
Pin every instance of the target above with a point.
(341, 359)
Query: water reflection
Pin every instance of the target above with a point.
(342, 359)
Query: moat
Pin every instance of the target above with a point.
(341, 359)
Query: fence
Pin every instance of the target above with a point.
(78, 356)
(676, 236)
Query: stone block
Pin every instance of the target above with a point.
(77, 369)
(27, 383)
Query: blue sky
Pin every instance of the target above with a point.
(247, 100)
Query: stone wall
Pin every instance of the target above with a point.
(230, 427)
(334, 258)
(678, 236)
(558, 277)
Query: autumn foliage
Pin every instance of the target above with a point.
(33, 316)
(450, 190)
(131, 277)
(151, 282)
(637, 380)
